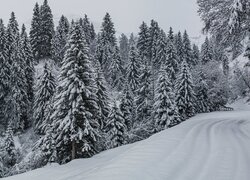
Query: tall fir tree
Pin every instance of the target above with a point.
(143, 43)
(165, 109)
(179, 47)
(43, 98)
(10, 149)
(124, 49)
(187, 50)
(206, 52)
(59, 40)
(132, 69)
(154, 34)
(171, 35)
(116, 127)
(75, 124)
(185, 95)
(195, 54)
(161, 50)
(47, 30)
(35, 32)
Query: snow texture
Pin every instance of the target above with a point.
(208, 146)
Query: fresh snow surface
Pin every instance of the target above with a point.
(213, 146)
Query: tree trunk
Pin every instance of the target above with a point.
(73, 151)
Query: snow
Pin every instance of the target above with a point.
(212, 146)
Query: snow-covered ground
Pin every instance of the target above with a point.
(213, 146)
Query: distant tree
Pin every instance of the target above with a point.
(143, 43)
(171, 35)
(59, 40)
(43, 98)
(195, 54)
(187, 50)
(124, 49)
(46, 29)
(206, 52)
(115, 127)
(179, 47)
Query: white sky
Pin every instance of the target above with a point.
(126, 14)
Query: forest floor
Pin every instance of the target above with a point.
(212, 146)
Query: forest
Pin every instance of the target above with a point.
(70, 91)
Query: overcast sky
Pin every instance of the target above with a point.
(126, 14)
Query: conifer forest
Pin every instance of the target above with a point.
(78, 101)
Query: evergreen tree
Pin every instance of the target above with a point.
(11, 153)
(179, 47)
(171, 62)
(102, 97)
(133, 68)
(206, 52)
(171, 35)
(74, 121)
(161, 50)
(116, 127)
(124, 49)
(143, 42)
(165, 109)
(185, 97)
(43, 98)
(196, 54)
(47, 30)
(127, 107)
(154, 34)
(187, 50)
(59, 40)
(86, 28)
(35, 32)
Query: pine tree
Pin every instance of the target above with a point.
(196, 54)
(9, 146)
(43, 98)
(86, 28)
(59, 40)
(124, 49)
(165, 109)
(179, 47)
(46, 29)
(102, 97)
(185, 97)
(206, 52)
(171, 62)
(154, 34)
(127, 107)
(74, 122)
(161, 50)
(187, 50)
(171, 35)
(143, 43)
(201, 88)
(133, 68)
(116, 127)
(35, 32)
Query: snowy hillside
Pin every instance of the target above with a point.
(207, 147)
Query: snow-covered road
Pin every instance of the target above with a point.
(214, 146)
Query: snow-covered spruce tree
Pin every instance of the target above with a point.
(203, 103)
(106, 43)
(87, 29)
(161, 50)
(144, 97)
(143, 43)
(154, 35)
(225, 64)
(11, 153)
(165, 109)
(206, 52)
(4, 75)
(171, 61)
(28, 61)
(102, 97)
(196, 54)
(45, 89)
(115, 127)
(47, 30)
(35, 32)
(179, 47)
(75, 124)
(115, 74)
(187, 50)
(133, 68)
(59, 40)
(171, 34)
(185, 95)
(124, 49)
(17, 98)
(127, 107)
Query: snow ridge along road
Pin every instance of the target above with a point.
(213, 146)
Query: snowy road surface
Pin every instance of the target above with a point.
(213, 146)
